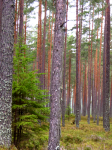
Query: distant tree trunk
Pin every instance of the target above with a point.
(106, 69)
(75, 99)
(92, 63)
(49, 55)
(79, 49)
(64, 74)
(89, 79)
(43, 53)
(21, 18)
(77, 70)
(56, 76)
(85, 92)
(69, 81)
(15, 29)
(39, 44)
(101, 102)
(6, 68)
(99, 91)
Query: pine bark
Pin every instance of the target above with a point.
(77, 70)
(99, 91)
(6, 68)
(106, 68)
(21, 18)
(64, 74)
(89, 79)
(56, 76)
(43, 52)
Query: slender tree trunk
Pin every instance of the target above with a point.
(99, 91)
(92, 86)
(6, 68)
(106, 69)
(64, 74)
(15, 29)
(49, 55)
(89, 79)
(85, 92)
(21, 18)
(56, 77)
(39, 46)
(77, 70)
(43, 53)
(69, 81)
(75, 99)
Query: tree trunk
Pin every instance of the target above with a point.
(77, 70)
(99, 91)
(64, 75)
(21, 18)
(43, 53)
(106, 69)
(89, 79)
(56, 76)
(6, 67)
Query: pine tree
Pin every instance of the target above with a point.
(6, 68)
(56, 76)
(106, 68)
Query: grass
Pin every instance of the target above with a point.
(86, 137)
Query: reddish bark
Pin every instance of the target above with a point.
(43, 52)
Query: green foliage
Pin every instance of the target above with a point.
(28, 100)
(72, 139)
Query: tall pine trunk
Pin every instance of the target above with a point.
(106, 68)
(56, 76)
(64, 74)
(43, 48)
(6, 68)
(77, 70)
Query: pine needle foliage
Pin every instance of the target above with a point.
(28, 101)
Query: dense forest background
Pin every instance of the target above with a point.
(61, 68)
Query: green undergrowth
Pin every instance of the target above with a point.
(86, 137)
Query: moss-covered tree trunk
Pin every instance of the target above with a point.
(56, 74)
(6, 66)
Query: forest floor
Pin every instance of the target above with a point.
(86, 137)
